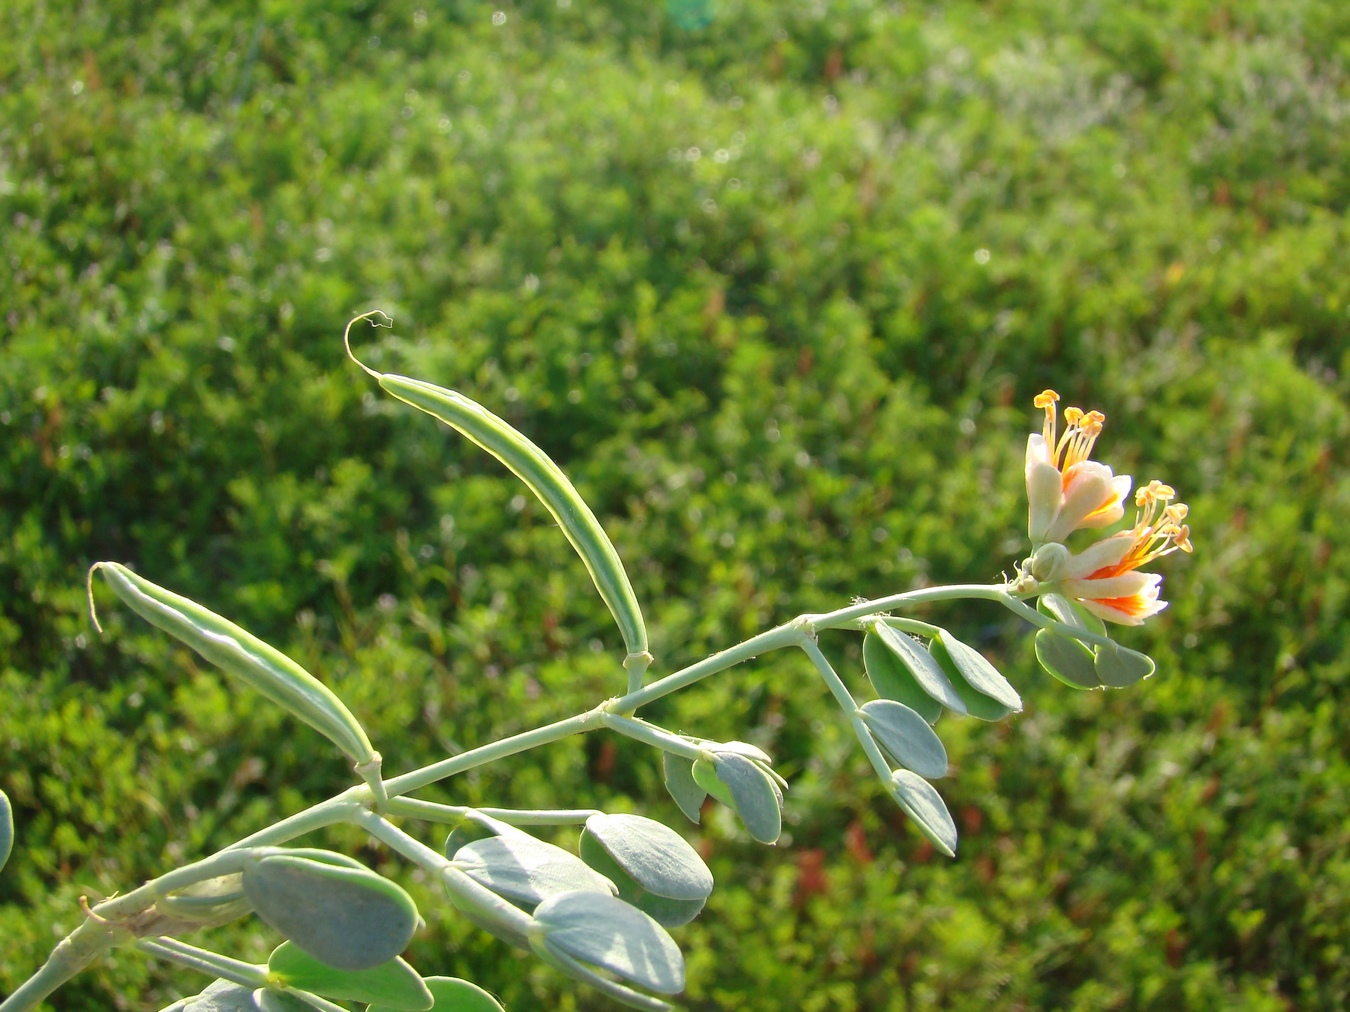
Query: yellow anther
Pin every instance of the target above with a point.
(1154, 491)
(1045, 399)
(1177, 512)
(1073, 416)
(1181, 537)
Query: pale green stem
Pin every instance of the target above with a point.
(335, 810)
(322, 1004)
(449, 815)
(463, 890)
(652, 735)
(846, 702)
(409, 782)
(103, 929)
(71, 955)
(843, 618)
(636, 665)
(912, 625)
(774, 639)
(1046, 622)
(236, 971)
(93, 937)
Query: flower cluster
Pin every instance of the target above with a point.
(1067, 492)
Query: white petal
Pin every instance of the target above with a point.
(1105, 517)
(1124, 585)
(1107, 613)
(1044, 490)
(1037, 451)
(1088, 490)
(1106, 552)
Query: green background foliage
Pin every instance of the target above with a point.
(774, 283)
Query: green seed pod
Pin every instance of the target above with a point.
(6, 829)
(244, 656)
(546, 480)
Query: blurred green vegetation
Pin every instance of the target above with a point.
(775, 284)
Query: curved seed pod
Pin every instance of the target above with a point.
(6, 829)
(244, 656)
(546, 480)
(208, 904)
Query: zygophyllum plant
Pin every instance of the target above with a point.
(602, 914)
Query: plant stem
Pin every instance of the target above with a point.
(234, 970)
(844, 617)
(103, 930)
(489, 753)
(655, 736)
(912, 625)
(465, 893)
(775, 639)
(449, 815)
(71, 955)
(846, 702)
(1046, 622)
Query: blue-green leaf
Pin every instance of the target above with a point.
(925, 806)
(657, 857)
(526, 870)
(974, 702)
(906, 737)
(267, 1000)
(393, 983)
(452, 994)
(613, 935)
(221, 996)
(1067, 659)
(1070, 612)
(978, 673)
(927, 674)
(678, 773)
(653, 867)
(1119, 666)
(754, 794)
(350, 918)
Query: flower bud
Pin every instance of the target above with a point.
(1047, 561)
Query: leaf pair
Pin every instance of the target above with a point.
(578, 924)
(448, 994)
(948, 674)
(737, 774)
(1074, 662)
(916, 685)
(653, 867)
(645, 863)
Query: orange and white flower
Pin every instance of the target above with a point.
(1065, 490)
(1105, 577)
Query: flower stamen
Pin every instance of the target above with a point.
(1046, 399)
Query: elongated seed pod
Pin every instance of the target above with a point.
(546, 480)
(244, 656)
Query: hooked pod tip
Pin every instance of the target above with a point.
(377, 318)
